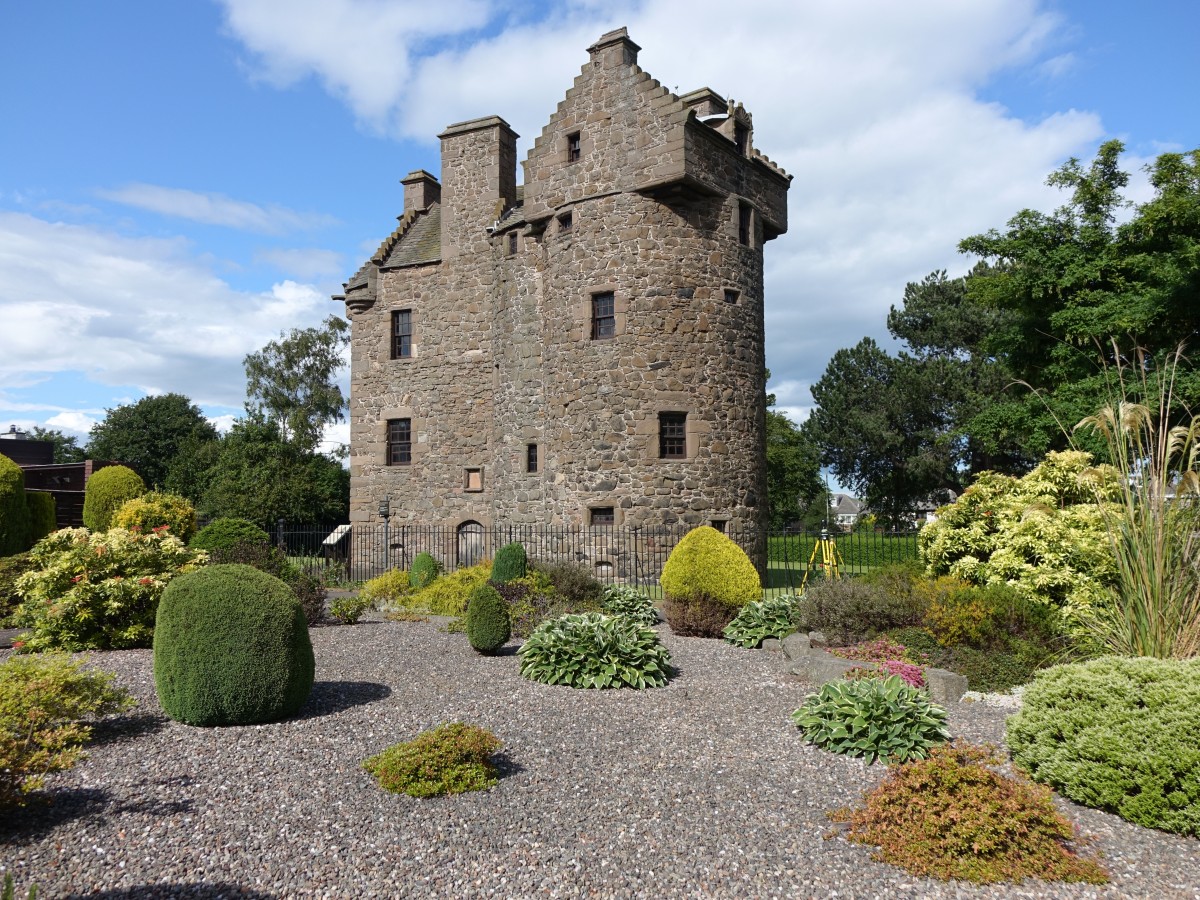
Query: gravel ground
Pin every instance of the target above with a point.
(699, 789)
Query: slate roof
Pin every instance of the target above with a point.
(421, 243)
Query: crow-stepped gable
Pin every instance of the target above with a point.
(585, 348)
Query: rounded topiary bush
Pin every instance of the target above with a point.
(488, 625)
(43, 514)
(14, 512)
(423, 571)
(509, 564)
(157, 510)
(1118, 734)
(106, 492)
(706, 581)
(231, 647)
(224, 533)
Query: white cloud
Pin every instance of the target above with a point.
(222, 423)
(310, 263)
(133, 311)
(77, 423)
(215, 209)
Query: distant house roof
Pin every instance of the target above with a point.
(845, 505)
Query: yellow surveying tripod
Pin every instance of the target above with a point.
(831, 559)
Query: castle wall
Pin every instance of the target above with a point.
(503, 351)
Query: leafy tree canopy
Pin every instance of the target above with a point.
(66, 447)
(793, 467)
(148, 434)
(291, 381)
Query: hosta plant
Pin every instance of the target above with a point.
(450, 759)
(99, 591)
(872, 718)
(593, 650)
(953, 815)
(623, 600)
(758, 620)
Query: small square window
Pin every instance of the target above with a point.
(473, 480)
(672, 435)
(531, 457)
(512, 243)
(731, 296)
(402, 334)
(573, 149)
(601, 515)
(604, 316)
(565, 223)
(399, 442)
(719, 524)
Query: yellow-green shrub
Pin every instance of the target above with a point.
(43, 700)
(388, 589)
(156, 510)
(448, 594)
(106, 492)
(708, 564)
(42, 514)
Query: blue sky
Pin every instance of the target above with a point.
(181, 181)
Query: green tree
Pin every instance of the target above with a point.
(793, 467)
(290, 382)
(147, 435)
(66, 447)
(262, 477)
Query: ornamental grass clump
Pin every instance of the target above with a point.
(450, 759)
(593, 650)
(1153, 527)
(623, 600)
(44, 702)
(952, 815)
(1118, 734)
(775, 617)
(872, 718)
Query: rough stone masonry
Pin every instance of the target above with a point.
(585, 349)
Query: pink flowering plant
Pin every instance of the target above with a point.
(98, 591)
(880, 650)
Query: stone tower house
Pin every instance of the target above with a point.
(584, 349)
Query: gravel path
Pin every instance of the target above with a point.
(699, 789)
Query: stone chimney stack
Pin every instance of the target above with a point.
(614, 49)
(479, 181)
(421, 190)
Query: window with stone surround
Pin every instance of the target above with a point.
(399, 442)
(472, 480)
(602, 515)
(745, 224)
(672, 435)
(741, 138)
(565, 223)
(720, 524)
(531, 457)
(731, 295)
(402, 334)
(573, 148)
(512, 243)
(604, 316)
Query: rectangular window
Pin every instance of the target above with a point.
(744, 224)
(573, 146)
(731, 296)
(719, 524)
(601, 515)
(473, 480)
(512, 243)
(402, 334)
(565, 223)
(531, 458)
(604, 316)
(672, 435)
(741, 137)
(399, 442)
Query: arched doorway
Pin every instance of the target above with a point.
(470, 544)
